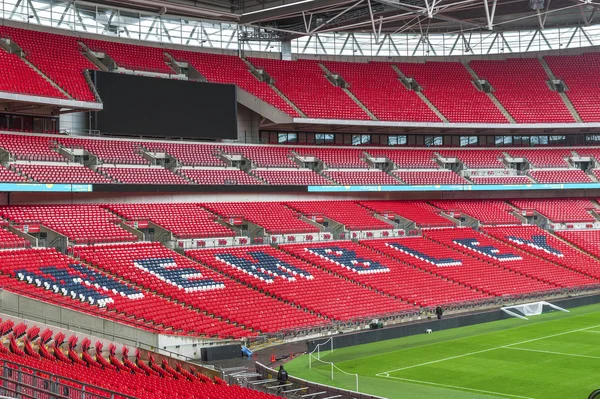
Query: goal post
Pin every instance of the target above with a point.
(333, 372)
(526, 310)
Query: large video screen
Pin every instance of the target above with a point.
(152, 106)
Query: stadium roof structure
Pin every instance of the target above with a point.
(289, 19)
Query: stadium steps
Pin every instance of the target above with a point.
(564, 96)
(348, 93)
(20, 173)
(255, 176)
(432, 107)
(252, 68)
(161, 295)
(12, 47)
(491, 96)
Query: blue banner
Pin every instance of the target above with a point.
(41, 187)
(455, 187)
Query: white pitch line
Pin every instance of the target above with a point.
(488, 350)
(553, 353)
(595, 332)
(506, 395)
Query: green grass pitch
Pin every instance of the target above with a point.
(552, 356)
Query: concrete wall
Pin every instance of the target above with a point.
(247, 124)
(75, 122)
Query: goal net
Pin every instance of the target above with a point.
(525, 310)
(329, 370)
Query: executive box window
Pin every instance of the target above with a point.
(396, 140)
(283, 138)
(361, 139)
(324, 138)
(466, 141)
(592, 138)
(434, 141)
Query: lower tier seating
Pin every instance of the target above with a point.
(501, 180)
(298, 282)
(446, 262)
(473, 243)
(49, 276)
(366, 267)
(560, 209)
(534, 240)
(156, 268)
(423, 214)
(587, 240)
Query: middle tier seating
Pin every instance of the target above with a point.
(559, 210)
(220, 176)
(487, 212)
(274, 217)
(560, 176)
(156, 268)
(74, 173)
(299, 283)
(359, 178)
(423, 214)
(348, 213)
(82, 224)
(429, 177)
(183, 220)
(292, 177)
(141, 175)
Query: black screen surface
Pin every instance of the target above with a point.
(150, 106)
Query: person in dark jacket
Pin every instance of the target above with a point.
(282, 375)
(439, 312)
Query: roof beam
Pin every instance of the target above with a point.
(285, 10)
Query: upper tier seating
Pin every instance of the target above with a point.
(375, 83)
(41, 50)
(301, 177)
(473, 243)
(303, 81)
(274, 217)
(183, 220)
(430, 177)
(520, 85)
(35, 372)
(82, 224)
(220, 68)
(124, 152)
(367, 177)
(487, 211)
(18, 77)
(543, 158)
(501, 180)
(448, 86)
(559, 210)
(135, 57)
(220, 176)
(335, 157)
(350, 214)
(148, 175)
(560, 176)
(292, 280)
(159, 269)
(423, 214)
(74, 173)
(580, 74)
(534, 240)
(409, 158)
(476, 159)
(366, 267)
(443, 261)
(126, 304)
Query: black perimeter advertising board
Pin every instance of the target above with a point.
(152, 106)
